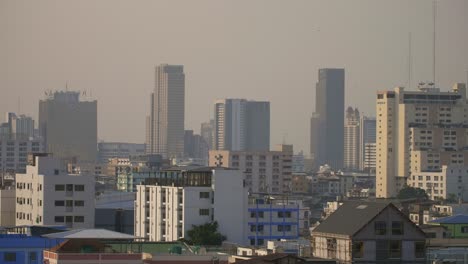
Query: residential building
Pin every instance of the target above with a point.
(301, 183)
(367, 146)
(328, 183)
(327, 123)
(298, 163)
(165, 124)
(352, 143)
(418, 132)
(109, 150)
(48, 195)
(456, 225)
(275, 218)
(69, 126)
(264, 171)
(169, 204)
(369, 232)
(14, 153)
(242, 125)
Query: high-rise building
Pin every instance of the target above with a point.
(14, 153)
(68, 126)
(17, 127)
(264, 171)
(207, 132)
(418, 133)
(165, 125)
(327, 123)
(352, 140)
(195, 147)
(242, 125)
(48, 195)
(367, 143)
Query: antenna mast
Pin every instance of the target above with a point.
(410, 61)
(434, 13)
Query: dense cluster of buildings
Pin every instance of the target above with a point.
(71, 199)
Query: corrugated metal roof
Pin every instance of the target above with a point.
(454, 219)
(90, 234)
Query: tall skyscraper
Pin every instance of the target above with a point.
(242, 125)
(165, 125)
(69, 126)
(327, 123)
(367, 144)
(207, 132)
(421, 141)
(352, 140)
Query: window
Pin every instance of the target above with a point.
(32, 256)
(256, 214)
(79, 219)
(395, 249)
(79, 188)
(59, 203)
(69, 203)
(204, 212)
(9, 257)
(397, 228)
(380, 228)
(59, 219)
(204, 195)
(59, 187)
(358, 249)
(464, 229)
(419, 249)
(79, 203)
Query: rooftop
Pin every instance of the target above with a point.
(91, 234)
(455, 219)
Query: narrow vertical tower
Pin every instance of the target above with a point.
(165, 125)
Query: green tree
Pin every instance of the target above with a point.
(206, 234)
(410, 192)
(451, 198)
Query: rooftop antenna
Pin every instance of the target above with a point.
(434, 13)
(19, 105)
(410, 61)
(284, 138)
(66, 86)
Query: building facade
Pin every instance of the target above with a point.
(69, 126)
(327, 123)
(264, 171)
(14, 153)
(417, 133)
(367, 144)
(242, 125)
(165, 124)
(109, 150)
(47, 195)
(276, 218)
(169, 204)
(352, 140)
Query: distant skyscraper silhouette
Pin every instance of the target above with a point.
(242, 125)
(69, 126)
(327, 123)
(165, 125)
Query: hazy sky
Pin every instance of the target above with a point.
(263, 50)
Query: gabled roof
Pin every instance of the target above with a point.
(272, 258)
(351, 217)
(455, 219)
(90, 234)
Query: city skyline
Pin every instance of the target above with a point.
(212, 58)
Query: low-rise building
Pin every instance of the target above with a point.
(110, 150)
(48, 195)
(369, 232)
(7, 206)
(276, 217)
(456, 225)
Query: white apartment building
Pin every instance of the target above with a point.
(417, 133)
(14, 153)
(47, 195)
(264, 171)
(180, 197)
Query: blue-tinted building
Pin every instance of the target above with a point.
(275, 218)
